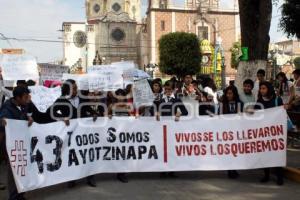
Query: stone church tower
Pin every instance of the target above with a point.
(98, 8)
(109, 33)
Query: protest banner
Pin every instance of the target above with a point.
(105, 78)
(52, 72)
(142, 93)
(98, 69)
(130, 75)
(124, 65)
(44, 97)
(19, 67)
(82, 80)
(105, 82)
(49, 154)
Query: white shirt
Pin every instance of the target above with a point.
(286, 92)
(256, 90)
(168, 98)
(74, 101)
(209, 91)
(297, 88)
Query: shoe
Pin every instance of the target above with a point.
(233, 174)
(172, 175)
(71, 184)
(265, 179)
(91, 182)
(280, 182)
(122, 177)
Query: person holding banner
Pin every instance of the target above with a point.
(168, 106)
(267, 98)
(231, 104)
(206, 104)
(14, 109)
(119, 106)
(67, 107)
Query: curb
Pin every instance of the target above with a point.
(292, 174)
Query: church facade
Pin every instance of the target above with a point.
(108, 35)
(114, 31)
(205, 18)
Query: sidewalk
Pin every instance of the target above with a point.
(189, 186)
(293, 157)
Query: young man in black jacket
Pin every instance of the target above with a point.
(169, 105)
(67, 107)
(14, 109)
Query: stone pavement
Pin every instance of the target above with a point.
(293, 157)
(189, 185)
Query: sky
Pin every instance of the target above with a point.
(41, 19)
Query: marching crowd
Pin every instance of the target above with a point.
(169, 101)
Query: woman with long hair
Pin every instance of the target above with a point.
(285, 88)
(231, 104)
(267, 98)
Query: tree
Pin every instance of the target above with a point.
(255, 21)
(179, 54)
(297, 62)
(289, 21)
(235, 54)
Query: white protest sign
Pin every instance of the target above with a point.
(19, 67)
(84, 148)
(142, 93)
(131, 75)
(105, 78)
(124, 65)
(52, 72)
(98, 69)
(109, 81)
(44, 97)
(82, 80)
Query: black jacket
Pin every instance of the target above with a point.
(274, 102)
(63, 108)
(168, 108)
(9, 110)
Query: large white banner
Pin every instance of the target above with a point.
(19, 67)
(44, 155)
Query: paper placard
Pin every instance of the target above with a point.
(82, 80)
(142, 93)
(19, 67)
(52, 72)
(44, 97)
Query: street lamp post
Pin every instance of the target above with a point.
(223, 72)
